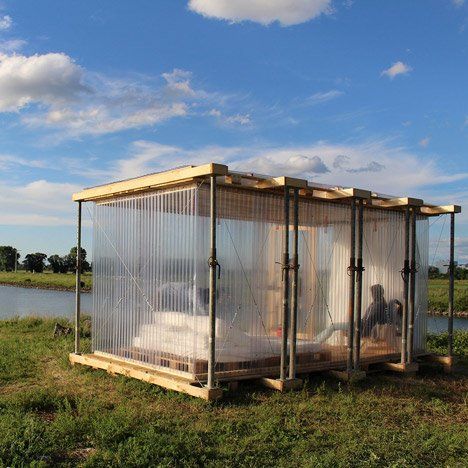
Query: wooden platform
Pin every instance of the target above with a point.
(147, 374)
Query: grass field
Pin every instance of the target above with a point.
(55, 415)
(46, 280)
(438, 295)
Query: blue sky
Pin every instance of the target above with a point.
(369, 94)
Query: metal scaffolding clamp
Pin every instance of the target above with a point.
(213, 263)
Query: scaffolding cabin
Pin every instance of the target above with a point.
(203, 275)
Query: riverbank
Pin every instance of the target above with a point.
(46, 280)
(54, 415)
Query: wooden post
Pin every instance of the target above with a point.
(451, 284)
(360, 269)
(78, 283)
(406, 276)
(295, 268)
(352, 284)
(285, 278)
(412, 292)
(213, 263)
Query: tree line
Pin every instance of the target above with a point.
(36, 262)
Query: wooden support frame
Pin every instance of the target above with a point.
(406, 368)
(281, 385)
(345, 376)
(146, 374)
(447, 362)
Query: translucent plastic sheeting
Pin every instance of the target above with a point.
(145, 261)
(382, 288)
(150, 260)
(323, 293)
(249, 304)
(422, 283)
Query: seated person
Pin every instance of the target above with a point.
(374, 314)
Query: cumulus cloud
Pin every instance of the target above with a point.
(5, 22)
(77, 102)
(49, 79)
(377, 165)
(398, 68)
(286, 12)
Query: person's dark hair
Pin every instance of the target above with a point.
(377, 292)
(395, 307)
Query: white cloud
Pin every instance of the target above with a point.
(8, 162)
(286, 12)
(458, 3)
(53, 92)
(318, 98)
(38, 203)
(11, 45)
(5, 22)
(48, 79)
(376, 165)
(241, 119)
(398, 68)
(110, 105)
(99, 120)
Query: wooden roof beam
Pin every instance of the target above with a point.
(396, 202)
(146, 182)
(431, 210)
(339, 193)
(275, 182)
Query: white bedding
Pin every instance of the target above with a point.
(188, 336)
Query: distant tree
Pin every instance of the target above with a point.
(71, 260)
(434, 272)
(7, 257)
(58, 264)
(34, 262)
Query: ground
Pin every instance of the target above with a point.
(54, 415)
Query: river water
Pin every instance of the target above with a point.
(22, 302)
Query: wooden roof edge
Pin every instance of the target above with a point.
(338, 193)
(432, 210)
(282, 181)
(396, 202)
(145, 182)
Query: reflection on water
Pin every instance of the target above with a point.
(21, 302)
(439, 324)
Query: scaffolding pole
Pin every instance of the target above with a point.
(412, 292)
(213, 264)
(359, 269)
(451, 284)
(78, 283)
(405, 273)
(295, 275)
(285, 277)
(352, 285)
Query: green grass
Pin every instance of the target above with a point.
(438, 295)
(46, 280)
(54, 415)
